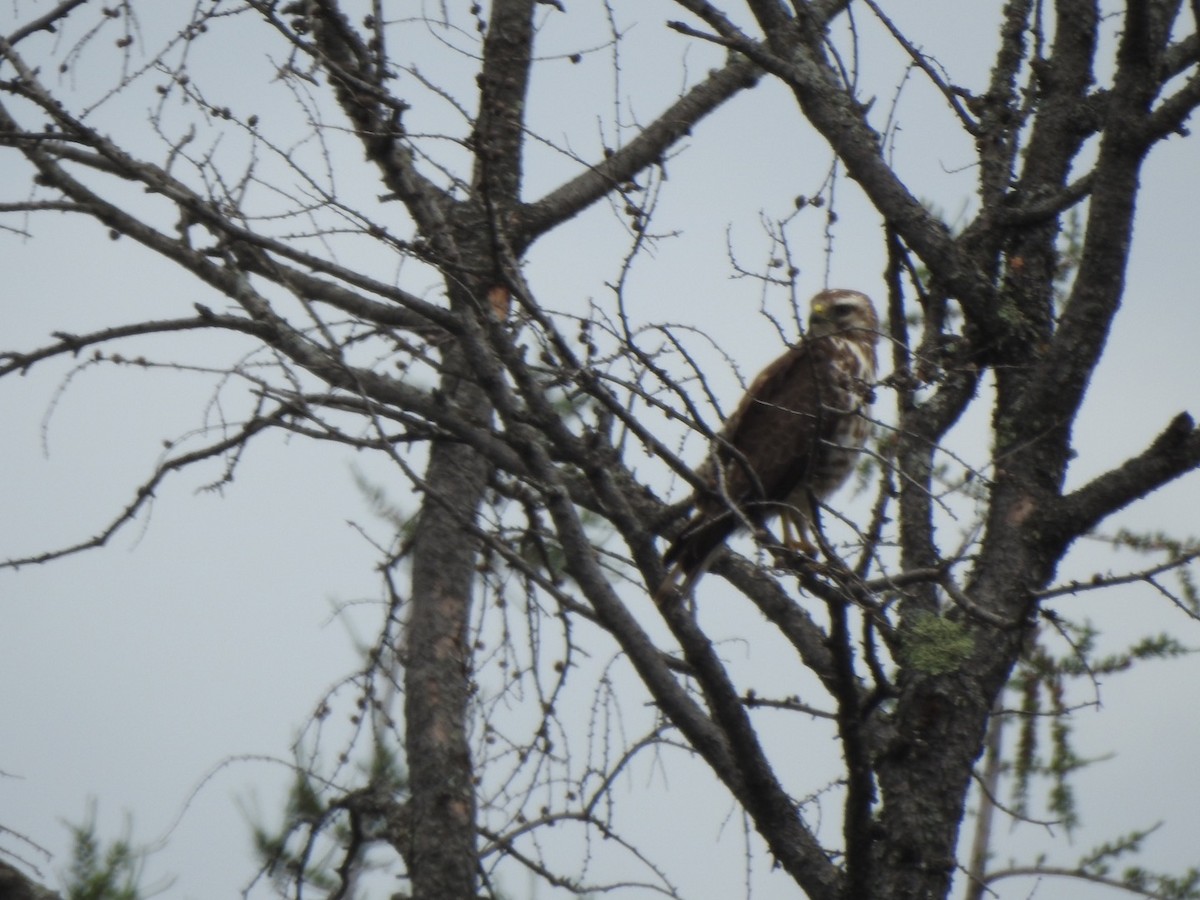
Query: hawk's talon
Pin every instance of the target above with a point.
(795, 536)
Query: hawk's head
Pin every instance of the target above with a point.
(843, 312)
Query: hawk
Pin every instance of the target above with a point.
(793, 438)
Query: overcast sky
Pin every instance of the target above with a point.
(161, 674)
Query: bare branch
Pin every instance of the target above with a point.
(144, 495)
(1173, 453)
(648, 148)
(47, 22)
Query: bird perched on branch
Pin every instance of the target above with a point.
(792, 440)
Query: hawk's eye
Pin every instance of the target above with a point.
(843, 310)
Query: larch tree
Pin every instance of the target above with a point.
(546, 446)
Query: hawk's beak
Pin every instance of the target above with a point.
(819, 314)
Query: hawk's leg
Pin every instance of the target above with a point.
(795, 520)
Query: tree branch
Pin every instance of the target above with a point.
(841, 120)
(13, 361)
(1061, 375)
(47, 22)
(503, 83)
(1173, 453)
(648, 148)
(377, 121)
(145, 492)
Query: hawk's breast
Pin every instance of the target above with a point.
(847, 401)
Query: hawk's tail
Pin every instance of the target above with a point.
(692, 551)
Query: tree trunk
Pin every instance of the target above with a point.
(442, 855)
